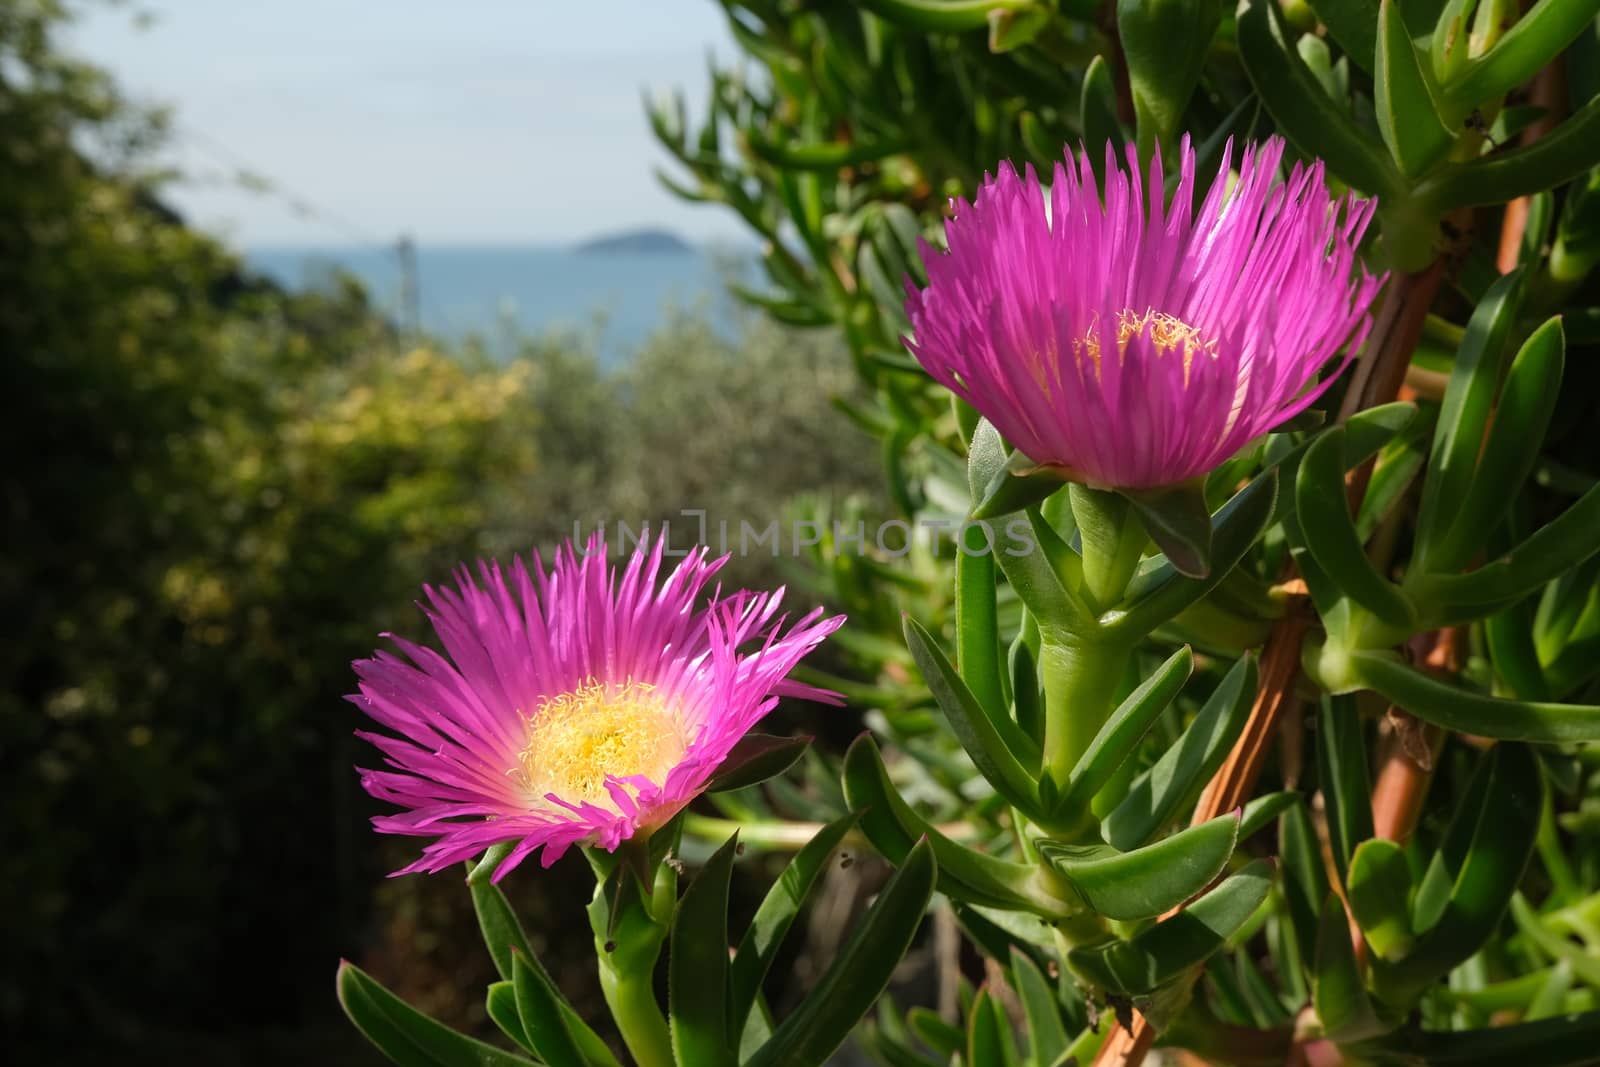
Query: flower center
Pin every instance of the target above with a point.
(1167, 333)
(577, 740)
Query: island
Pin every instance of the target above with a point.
(632, 241)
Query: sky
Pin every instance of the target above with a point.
(480, 121)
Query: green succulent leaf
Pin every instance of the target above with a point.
(978, 624)
(1342, 773)
(859, 973)
(1236, 527)
(697, 966)
(502, 931)
(1338, 992)
(500, 1004)
(1010, 491)
(1116, 741)
(1160, 793)
(1379, 888)
(1537, 38)
(407, 1036)
(1464, 711)
(1178, 522)
(989, 1033)
(775, 915)
(1354, 25)
(1558, 157)
(990, 736)
(756, 758)
(1521, 417)
(1330, 534)
(1314, 124)
(944, 16)
(1407, 118)
(1047, 1037)
(543, 1023)
(894, 830)
(1164, 952)
(1164, 46)
(1464, 412)
(1565, 542)
(1481, 878)
(1150, 880)
(1563, 1041)
(1097, 113)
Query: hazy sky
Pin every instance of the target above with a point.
(481, 120)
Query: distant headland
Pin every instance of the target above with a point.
(645, 240)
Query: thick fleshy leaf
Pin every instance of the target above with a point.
(1168, 949)
(1354, 25)
(859, 973)
(1178, 522)
(938, 1033)
(1554, 159)
(407, 1036)
(1503, 830)
(539, 1009)
(1338, 991)
(1379, 888)
(1467, 712)
(1528, 46)
(1047, 1037)
(978, 627)
(776, 914)
(1160, 793)
(1342, 773)
(1407, 117)
(1521, 417)
(894, 830)
(1564, 1041)
(1509, 637)
(500, 1004)
(943, 16)
(697, 966)
(1164, 45)
(755, 758)
(1263, 809)
(1552, 944)
(1010, 492)
(1565, 542)
(1237, 526)
(1097, 113)
(1116, 741)
(1305, 879)
(990, 736)
(1316, 125)
(989, 1033)
(1324, 521)
(1149, 880)
(1464, 412)
(502, 931)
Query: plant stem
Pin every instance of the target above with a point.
(1080, 690)
(631, 996)
(1113, 539)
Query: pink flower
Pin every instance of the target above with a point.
(572, 706)
(1133, 348)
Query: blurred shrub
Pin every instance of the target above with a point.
(216, 495)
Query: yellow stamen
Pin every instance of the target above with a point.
(577, 739)
(1167, 332)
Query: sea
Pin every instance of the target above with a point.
(501, 294)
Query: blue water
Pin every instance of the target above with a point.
(501, 292)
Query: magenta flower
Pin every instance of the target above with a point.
(1133, 348)
(573, 706)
